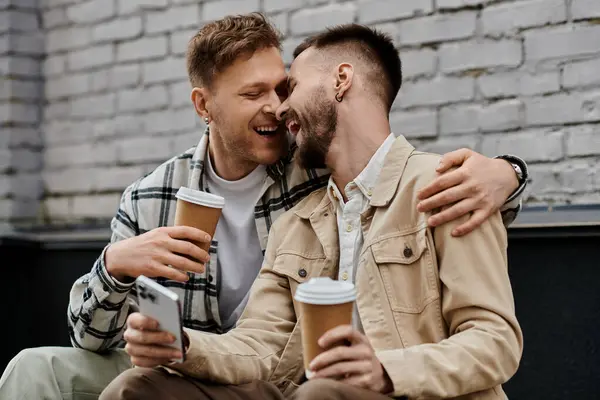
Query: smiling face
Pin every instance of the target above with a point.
(310, 111)
(242, 102)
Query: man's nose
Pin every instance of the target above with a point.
(282, 110)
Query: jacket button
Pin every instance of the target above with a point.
(210, 278)
(302, 273)
(408, 252)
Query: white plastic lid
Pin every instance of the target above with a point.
(325, 291)
(200, 198)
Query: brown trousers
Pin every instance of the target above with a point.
(150, 384)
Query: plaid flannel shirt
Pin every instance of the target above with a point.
(99, 304)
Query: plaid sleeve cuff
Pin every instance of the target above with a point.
(108, 288)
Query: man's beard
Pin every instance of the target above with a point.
(318, 130)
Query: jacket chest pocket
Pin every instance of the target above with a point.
(299, 269)
(407, 270)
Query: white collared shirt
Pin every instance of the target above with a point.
(358, 192)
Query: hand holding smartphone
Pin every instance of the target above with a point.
(163, 305)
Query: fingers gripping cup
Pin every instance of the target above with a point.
(199, 210)
(325, 303)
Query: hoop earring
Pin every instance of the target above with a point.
(340, 98)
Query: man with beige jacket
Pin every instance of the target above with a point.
(434, 313)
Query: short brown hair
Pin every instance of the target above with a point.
(369, 45)
(219, 43)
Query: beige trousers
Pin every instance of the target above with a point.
(55, 373)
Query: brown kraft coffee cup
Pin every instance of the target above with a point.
(199, 210)
(325, 303)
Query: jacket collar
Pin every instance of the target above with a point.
(393, 169)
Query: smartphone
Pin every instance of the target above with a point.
(162, 305)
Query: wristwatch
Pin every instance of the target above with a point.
(518, 171)
(518, 165)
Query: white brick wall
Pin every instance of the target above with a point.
(502, 76)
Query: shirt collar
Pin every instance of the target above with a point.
(367, 179)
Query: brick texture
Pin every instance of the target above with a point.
(98, 93)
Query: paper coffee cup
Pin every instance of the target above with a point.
(325, 303)
(199, 210)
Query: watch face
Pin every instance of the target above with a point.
(518, 171)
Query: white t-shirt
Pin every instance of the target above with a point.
(239, 255)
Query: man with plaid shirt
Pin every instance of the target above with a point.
(238, 78)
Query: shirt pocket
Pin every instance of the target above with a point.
(298, 268)
(407, 271)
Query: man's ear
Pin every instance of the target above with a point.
(344, 78)
(201, 99)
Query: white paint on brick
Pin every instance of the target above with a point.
(271, 6)
(139, 99)
(180, 94)
(18, 21)
(26, 160)
(584, 9)
(141, 149)
(170, 121)
(27, 185)
(502, 115)
(179, 41)
(472, 118)
(19, 66)
(437, 28)
(141, 49)
(91, 57)
(280, 22)
(31, 43)
(67, 85)
(93, 106)
(470, 55)
(57, 207)
(583, 140)
(173, 19)
(533, 146)
(562, 42)
(166, 70)
(414, 124)
(91, 11)
(118, 29)
(453, 4)
(26, 91)
(436, 91)
(68, 38)
(116, 178)
(506, 18)
(370, 11)
(459, 119)
(23, 136)
(20, 113)
(67, 181)
(581, 74)
(124, 75)
(309, 21)
(542, 83)
(563, 108)
(416, 63)
(129, 6)
(97, 206)
(447, 144)
(218, 9)
(54, 18)
(54, 65)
